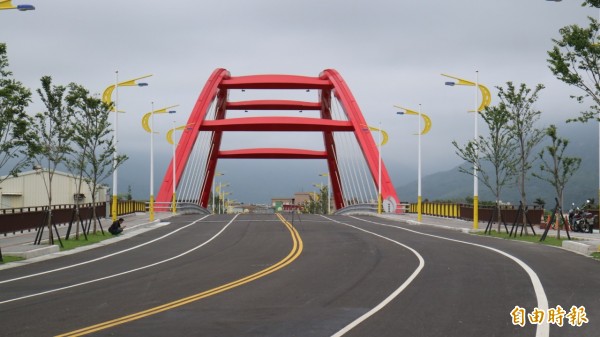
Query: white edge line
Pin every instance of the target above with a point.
(102, 257)
(393, 295)
(125, 272)
(543, 329)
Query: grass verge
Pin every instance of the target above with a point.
(8, 258)
(551, 241)
(81, 241)
(72, 243)
(596, 255)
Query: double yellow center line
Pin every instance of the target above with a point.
(293, 254)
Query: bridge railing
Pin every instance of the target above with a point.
(358, 208)
(465, 211)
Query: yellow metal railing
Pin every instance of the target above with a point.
(446, 210)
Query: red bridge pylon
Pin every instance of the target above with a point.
(214, 100)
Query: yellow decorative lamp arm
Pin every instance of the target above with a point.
(486, 97)
(426, 118)
(146, 117)
(384, 134)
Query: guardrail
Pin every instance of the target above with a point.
(180, 207)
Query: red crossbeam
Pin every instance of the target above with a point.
(276, 124)
(272, 153)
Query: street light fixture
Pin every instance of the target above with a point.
(170, 141)
(145, 118)
(224, 194)
(220, 193)
(486, 99)
(7, 4)
(213, 194)
(106, 98)
(420, 132)
(383, 138)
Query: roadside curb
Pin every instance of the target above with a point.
(52, 252)
(582, 246)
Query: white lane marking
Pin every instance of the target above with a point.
(543, 329)
(122, 273)
(394, 294)
(102, 257)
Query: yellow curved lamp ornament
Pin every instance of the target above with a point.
(426, 118)
(107, 94)
(7, 4)
(385, 135)
(486, 97)
(146, 117)
(170, 132)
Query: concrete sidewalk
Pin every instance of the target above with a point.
(583, 243)
(21, 244)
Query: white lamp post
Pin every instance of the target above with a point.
(213, 194)
(174, 168)
(419, 133)
(382, 134)
(148, 128)
(106, 98)
(486, 99)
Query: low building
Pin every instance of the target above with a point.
(28, 189)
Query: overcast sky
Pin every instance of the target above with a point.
(389, 52)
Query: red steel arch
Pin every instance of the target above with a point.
(328, 82)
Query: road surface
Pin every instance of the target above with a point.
(263, 275)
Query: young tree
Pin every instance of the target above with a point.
(519, 102)
(498, 150)
(575, 60)
(555, 167)
(15, 134)
(92, 162)
(55, 133)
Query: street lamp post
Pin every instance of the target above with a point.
(148, 128)
(224, 194)
(486, 99)
(106, 98)
(174, 168)
(7, 4)
(383, 138)
(420, 132)
(213, 194)
(220, 193)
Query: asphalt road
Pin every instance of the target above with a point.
(256, 275)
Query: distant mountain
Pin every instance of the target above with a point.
(454, 185)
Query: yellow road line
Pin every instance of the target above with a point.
(294, 253)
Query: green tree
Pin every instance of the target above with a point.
(496, 150)
(519, 102)
(92, 160)
(55, 133)
(575, 60)
(540, 202)
(555, 167)
(15, 134)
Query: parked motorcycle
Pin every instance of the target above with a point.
(580, 220)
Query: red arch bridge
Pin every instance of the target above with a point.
(356, 171)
